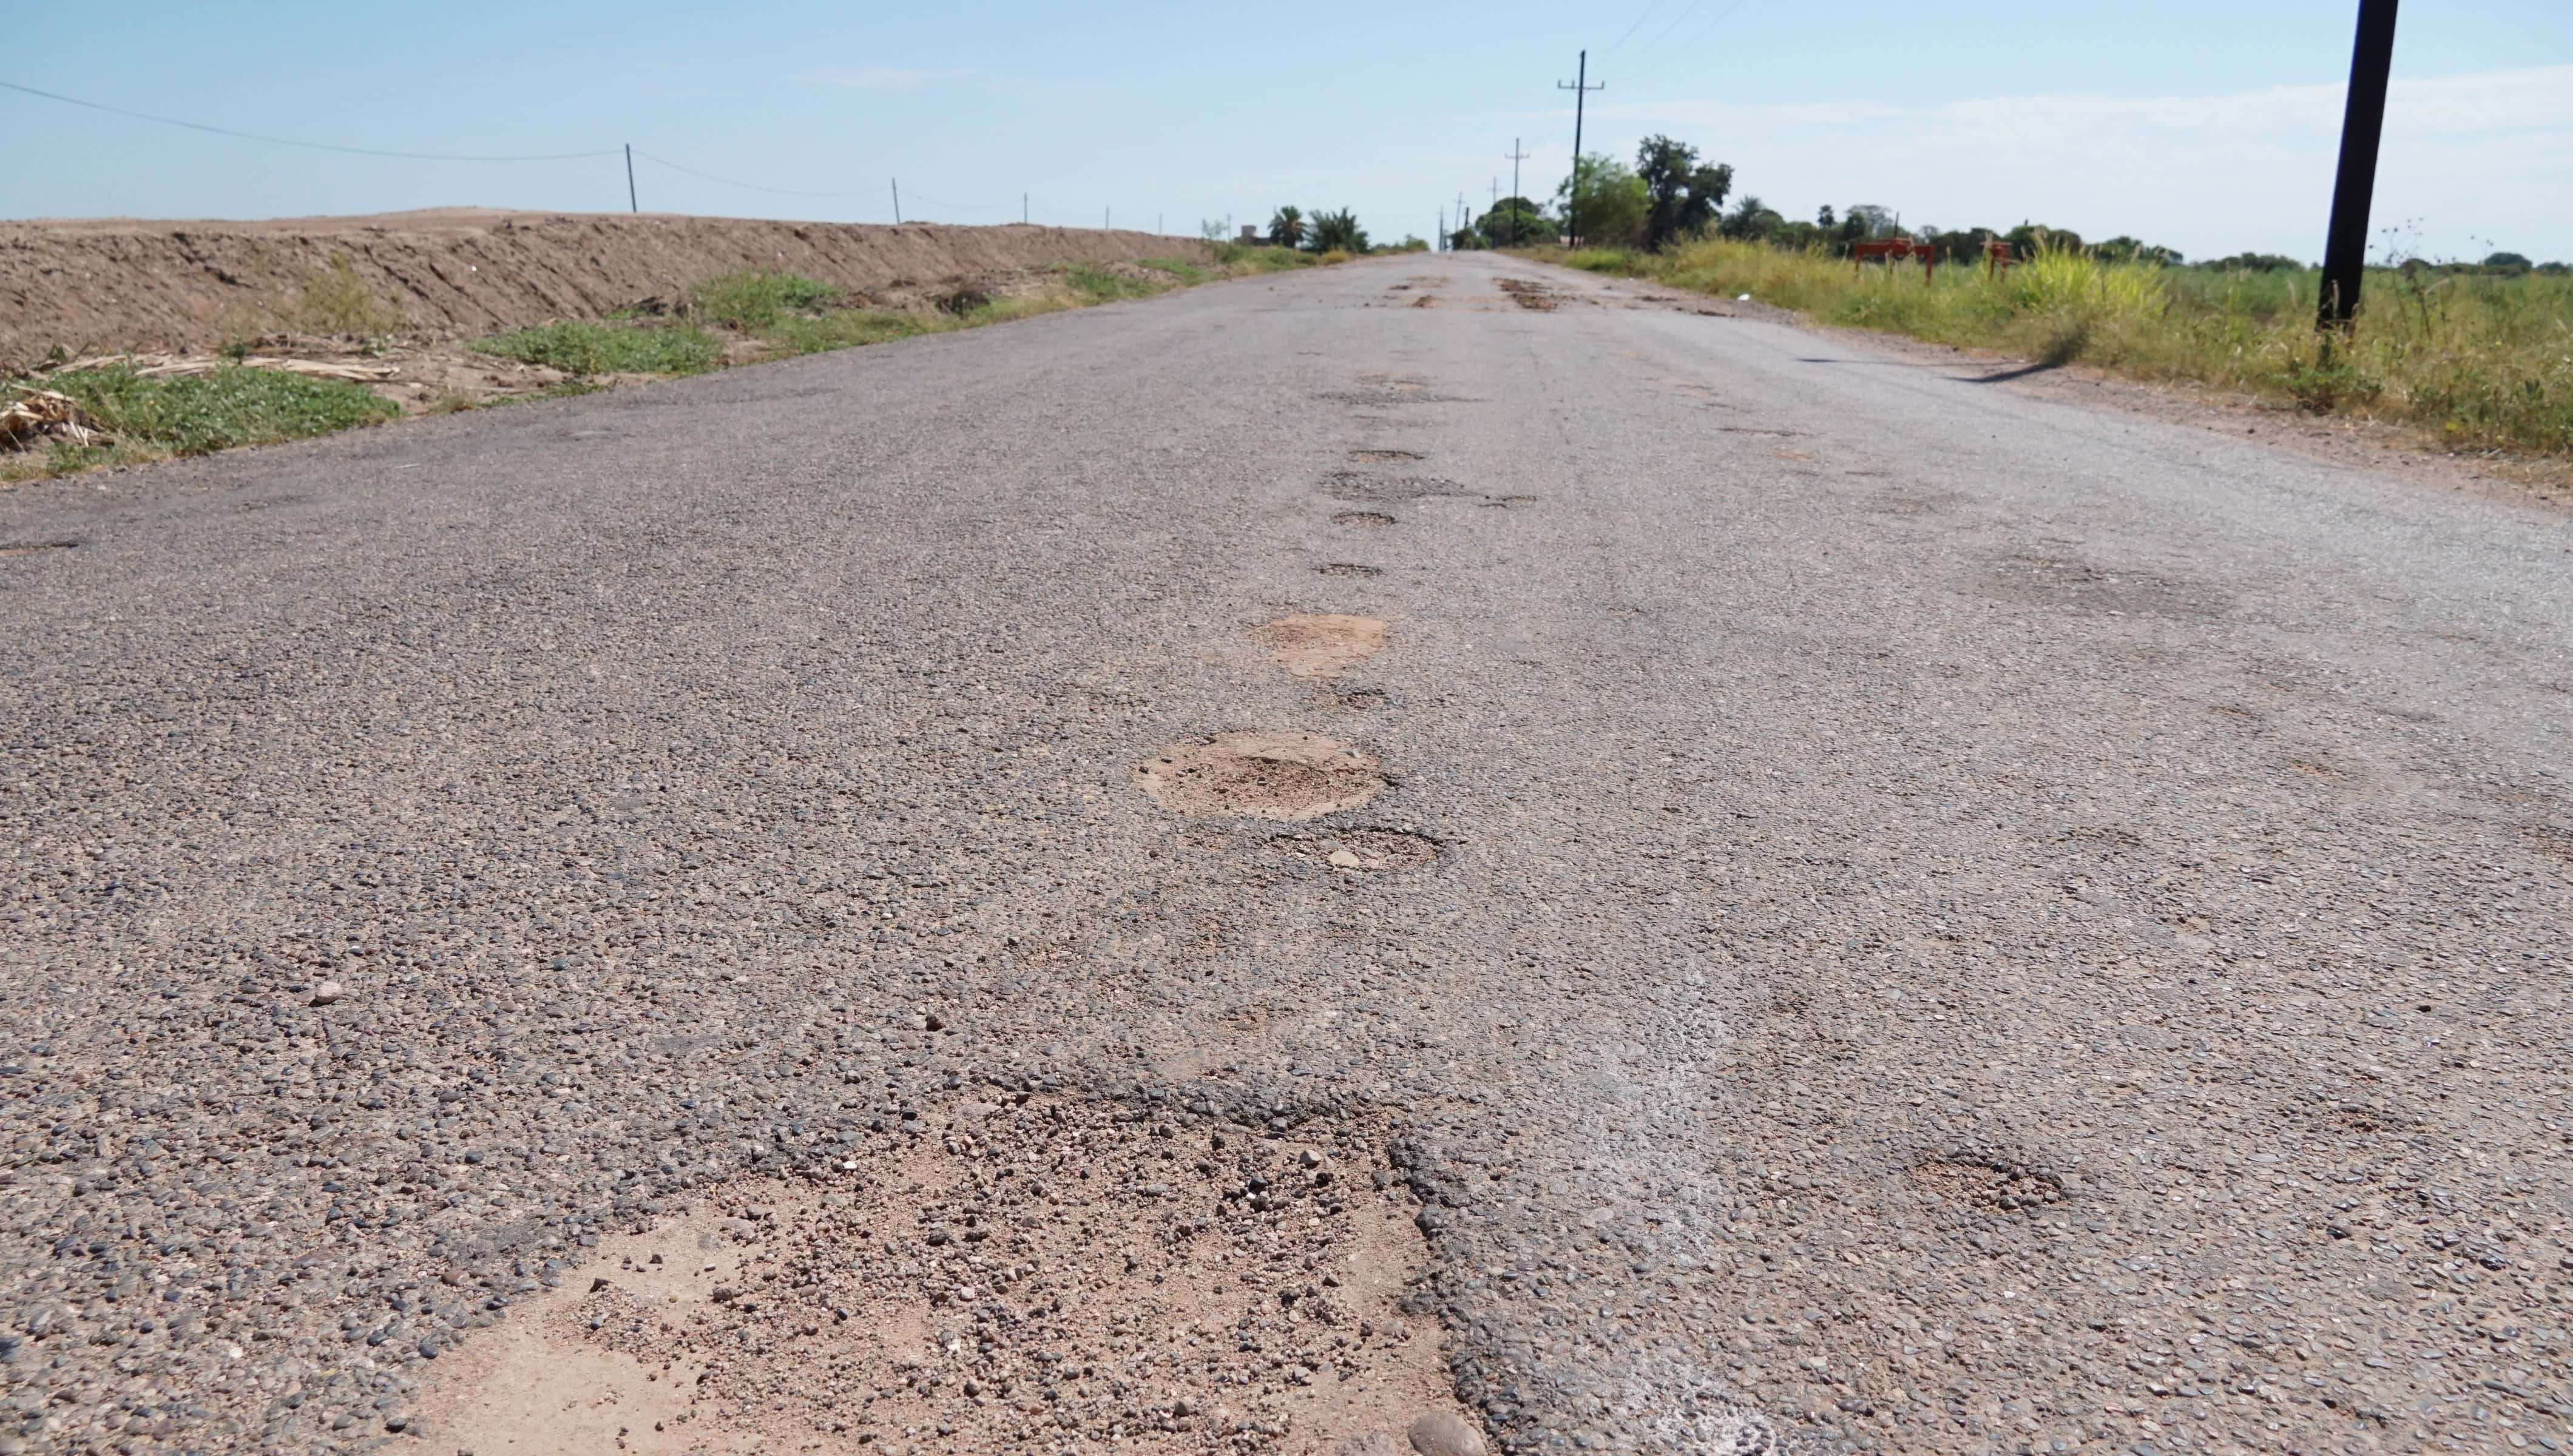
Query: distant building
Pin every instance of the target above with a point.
(1250, 234)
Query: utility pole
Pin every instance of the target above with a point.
(1442, 228)
(1516, 156)
(2372, 58)
(1022, 210)
(631, 205)
(1461, 209)
(897, 201)
(1580, 89)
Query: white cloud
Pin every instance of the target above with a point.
(878, 78)
(2469, 162)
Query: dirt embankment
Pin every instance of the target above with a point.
(91, 286)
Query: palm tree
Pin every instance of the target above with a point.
(1286, 229)
(1339, 230)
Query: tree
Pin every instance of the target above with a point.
(1337, 231)
(1752, 219)
(1602, 203)
(2030, 238)
(2131, 250)
(1681, 195)
(2508, 263)
(1286, 226)
(1515, 221)
(1824, 219)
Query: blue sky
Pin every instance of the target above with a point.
(2203, 124)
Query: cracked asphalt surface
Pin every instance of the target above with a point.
(1960, 922)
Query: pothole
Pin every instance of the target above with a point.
(1993, 1185)
(1320, 644)
(1261, 775)
(1353, 486)
(1348, 568)
(1369, 518)
(1363, 851)
(1384, 455)
(1530, 295)
(30, 548)
(1030, 1275)
(1353, 700)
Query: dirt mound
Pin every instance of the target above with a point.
(91, 286)
(1261, 775)
(1320, 644)
(1034, 1276)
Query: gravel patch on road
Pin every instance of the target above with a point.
(1011, 1274)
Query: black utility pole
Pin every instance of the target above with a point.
(631, 205)
(2372, 58)
(1516, 156)
(1580, 89)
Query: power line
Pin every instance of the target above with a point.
(731, 181)
(1649, 8)
(172, 121)
(1683, 46)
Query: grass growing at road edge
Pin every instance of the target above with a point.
(582, 349)
(2477, 361)
(754, 299)
(193, 414)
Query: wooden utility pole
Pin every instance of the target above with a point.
(631, 205)
(1516, 156)
(1580, 89)
(2371, 59)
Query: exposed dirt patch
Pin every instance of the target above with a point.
(2350, 1120)
(1531, 294)
(1260, 775)
(1383, 455)
(2067, 582)
(1991, 1185)
(1320, 644)
(1371, 519)
(1363, 851)
(1008, 1276)
(1348, 568)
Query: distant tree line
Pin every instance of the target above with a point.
(1671, 195)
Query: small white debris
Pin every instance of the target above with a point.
(328, 991)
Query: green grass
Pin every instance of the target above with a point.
(2477, 361)
(1091, 283)
(582, 349)
(195, 415)
(755, 299)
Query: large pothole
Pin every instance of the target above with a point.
(1320, 644)
(1261, 774)
(1037, 1276)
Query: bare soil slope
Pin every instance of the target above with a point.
(119, 283)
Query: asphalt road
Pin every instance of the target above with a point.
(1961, 922)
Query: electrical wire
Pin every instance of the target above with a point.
(1683, 46)
(748, 186)
(172, 121)
(1649, 7)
